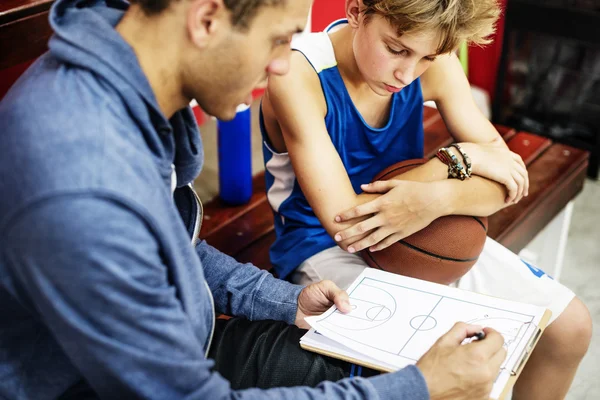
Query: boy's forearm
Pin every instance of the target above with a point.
(432, 171)
(475, 196)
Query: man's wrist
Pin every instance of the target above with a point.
(405, 384)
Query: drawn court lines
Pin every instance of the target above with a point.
(405, 322)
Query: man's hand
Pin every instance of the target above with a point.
(455, 371)
(403, 208)
(315, 299)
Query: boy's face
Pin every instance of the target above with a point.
(242, 60)
(389, 62)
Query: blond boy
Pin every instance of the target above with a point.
(351, 106)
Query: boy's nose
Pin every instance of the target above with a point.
(405, 75)
(279, 66)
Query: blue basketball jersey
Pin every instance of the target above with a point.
(364, 151)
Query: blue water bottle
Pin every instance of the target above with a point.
(235, 157)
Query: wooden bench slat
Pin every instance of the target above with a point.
(24, 39)
(257, 252)
(218, 214)
(246, 229)
(430, 114)
(528, 145)
(12, 10)
(436, 136)
(506, 132)
(554, 179)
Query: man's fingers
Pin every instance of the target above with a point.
(459, 332)
(491, 344)
(336, 295)
(359, 229)
(368, 208)
(497, 359)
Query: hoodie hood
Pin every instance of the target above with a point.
(85, 38)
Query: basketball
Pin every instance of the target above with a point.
(442, 252)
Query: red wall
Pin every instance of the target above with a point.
(326, 11)
(483, 62)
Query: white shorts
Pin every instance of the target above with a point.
(498, 272)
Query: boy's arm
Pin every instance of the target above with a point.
(499, 170)
(446, 84)
(299, 105)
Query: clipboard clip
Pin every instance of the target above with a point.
(526, 350)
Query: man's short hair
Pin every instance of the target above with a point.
(242, 11)
(455, 20)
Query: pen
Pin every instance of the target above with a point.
(476, 336)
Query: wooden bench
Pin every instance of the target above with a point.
(556, 174)
(24, 30)
(24, 34)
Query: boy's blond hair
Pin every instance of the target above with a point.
(455, 20)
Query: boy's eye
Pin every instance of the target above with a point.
(429, 58)
(401, 52)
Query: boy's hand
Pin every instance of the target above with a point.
(456, 371)
(404, 208)
(315, 299)
(499, 164)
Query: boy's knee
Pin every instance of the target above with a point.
(572, 330)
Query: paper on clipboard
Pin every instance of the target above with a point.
(396, 319)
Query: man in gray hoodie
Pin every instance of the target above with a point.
(104, 289)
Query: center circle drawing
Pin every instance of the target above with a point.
(378, 313)
(423, 323)
(372, 306)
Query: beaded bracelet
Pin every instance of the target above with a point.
(455, 168)
(465, 157)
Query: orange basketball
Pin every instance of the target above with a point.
(442, 252)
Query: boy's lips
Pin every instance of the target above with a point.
(392, 89)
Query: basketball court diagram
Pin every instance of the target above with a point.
(405, 322)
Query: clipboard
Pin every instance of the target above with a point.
(515, 373)
(376, 352)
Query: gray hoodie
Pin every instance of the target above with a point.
(99, 281)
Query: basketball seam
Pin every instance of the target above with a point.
(437, 255)
(480, 223)
(374, 261)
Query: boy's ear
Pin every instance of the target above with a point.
(206, 19)
(353, 9)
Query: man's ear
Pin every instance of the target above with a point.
(205, 19)
(353, 10)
